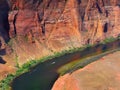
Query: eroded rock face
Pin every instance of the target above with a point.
(70, 23)
(101, 19)
(63, 24)
(41, 27)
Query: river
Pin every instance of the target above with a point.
(43, 76)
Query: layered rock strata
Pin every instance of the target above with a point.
(30, 29)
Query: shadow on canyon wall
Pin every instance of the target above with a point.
(2, 61)
(4, 27)
(4, 23)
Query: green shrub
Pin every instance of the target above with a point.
(107, 40)
(4, 84)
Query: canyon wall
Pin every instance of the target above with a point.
(30, 29)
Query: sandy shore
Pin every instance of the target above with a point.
(103, 74)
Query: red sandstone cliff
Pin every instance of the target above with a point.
(41, 27)
(62, 24)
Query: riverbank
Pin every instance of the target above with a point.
(5, 83)
(26, 67)
(81, 63)
(103, 74)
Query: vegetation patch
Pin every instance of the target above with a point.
(110, 39)
(80, 63)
